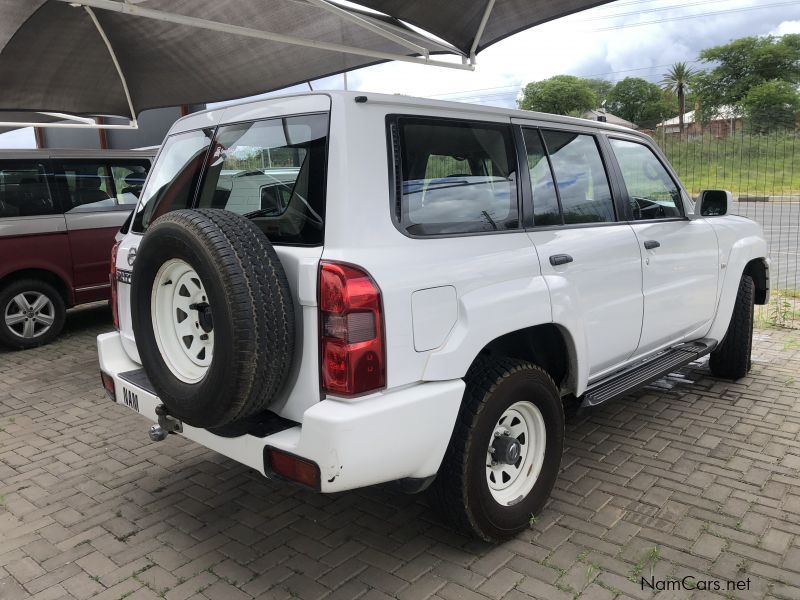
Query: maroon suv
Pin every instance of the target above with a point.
(59, 213)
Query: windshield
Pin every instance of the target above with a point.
(272, 171)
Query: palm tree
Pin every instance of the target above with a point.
(677, 81)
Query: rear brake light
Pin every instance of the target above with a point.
(293, 468)
(352, 344)
(112, 277)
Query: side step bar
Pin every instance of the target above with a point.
(645, 372)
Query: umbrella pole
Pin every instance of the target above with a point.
(115, 61)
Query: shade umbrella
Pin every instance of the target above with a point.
(120, 57)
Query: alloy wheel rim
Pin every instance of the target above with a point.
(181, 320)
(30, 314)
(509, 484)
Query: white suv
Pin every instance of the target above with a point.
(341, 290)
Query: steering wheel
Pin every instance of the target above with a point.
(637, 209)
(651, 172)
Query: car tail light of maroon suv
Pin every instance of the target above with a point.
(59, 214)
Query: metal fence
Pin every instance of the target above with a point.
(763, 172)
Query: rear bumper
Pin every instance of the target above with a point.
(388, 436)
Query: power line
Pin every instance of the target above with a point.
(693, 16)
(652, 10)
(518, 84)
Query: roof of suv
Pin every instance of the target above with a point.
(74, 153)
(408, 101)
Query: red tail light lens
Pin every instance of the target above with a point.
(352, 345)
(112, 277)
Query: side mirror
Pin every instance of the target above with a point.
(714, 203)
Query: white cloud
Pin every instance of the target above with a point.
(787, 27)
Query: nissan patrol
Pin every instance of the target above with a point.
(340, 289)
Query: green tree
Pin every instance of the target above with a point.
(742, 65)
(771, 105)
(560, 95)
(639, 102)
(601, 87)
(677, 81)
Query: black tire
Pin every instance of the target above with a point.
(30, 286)
(732, 358)
(460, 493)
(251, 308)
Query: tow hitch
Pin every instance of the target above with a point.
(166, 425)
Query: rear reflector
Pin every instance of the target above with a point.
(108, 384)
(293, 468)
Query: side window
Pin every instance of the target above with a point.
(88, 186)
(543, 190)
(129, 180)
(456, 177)
(581, 177)
(24, 191)
(176, 173)
(652, 192)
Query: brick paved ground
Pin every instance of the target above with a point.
(693, 476)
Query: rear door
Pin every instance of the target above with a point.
(680, 257)
(589, 258)
(98, 196)
(33, 232)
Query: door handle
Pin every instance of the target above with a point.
(652, 245)
(560, 259)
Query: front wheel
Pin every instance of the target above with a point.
(32, 313)
(505, 451)
(731, 359)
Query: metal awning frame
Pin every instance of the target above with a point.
(422, 53)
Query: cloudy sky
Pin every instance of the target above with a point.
(638, 38)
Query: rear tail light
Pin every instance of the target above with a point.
(292, 467)
(352, 344)
(112, 277)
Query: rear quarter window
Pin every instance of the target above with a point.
(175, 177)
(24, 190)
(454, 177)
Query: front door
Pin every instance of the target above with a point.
(590, 260)
(680, 257)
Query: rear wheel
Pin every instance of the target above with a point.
(505, 451)
(33, 314)
(732, 358)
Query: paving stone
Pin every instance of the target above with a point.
(703, 470)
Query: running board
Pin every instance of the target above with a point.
(646, 372)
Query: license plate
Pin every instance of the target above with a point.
(124, 276)
(130, 399)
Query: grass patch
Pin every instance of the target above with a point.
(745, 164)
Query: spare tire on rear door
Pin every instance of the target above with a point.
(212, 315)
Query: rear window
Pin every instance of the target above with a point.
(455, 177)
(271, 171)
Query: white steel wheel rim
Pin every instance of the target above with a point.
(511, 483)
(29, 314)
(185, 347)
